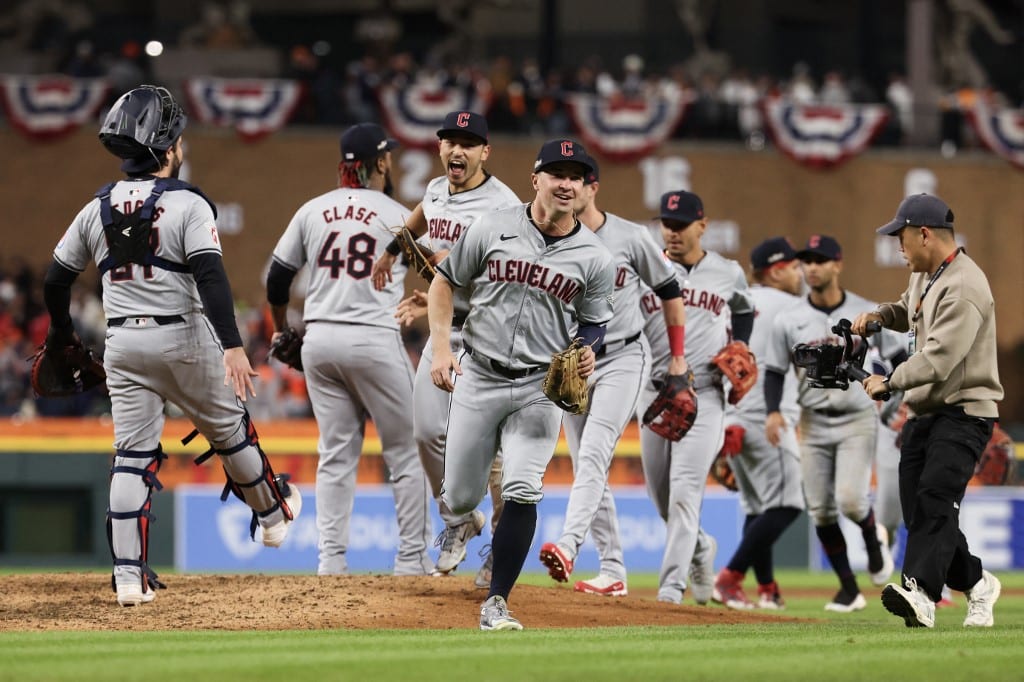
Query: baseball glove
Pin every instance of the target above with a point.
(563, 384)
(674, 409)
(732, 444)
(722, 472)
(64, 366)
(287, 348)
(993, 467)
(739, 366)
(416, 255)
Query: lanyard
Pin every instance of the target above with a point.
(931, 281)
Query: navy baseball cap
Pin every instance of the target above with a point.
(772, 252)
(463, 123)
(595, 171)
(365, 141)
(919, 210)
(562, 149)
(686, 207)
(820, 246)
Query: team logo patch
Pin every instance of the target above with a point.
(1001, 131)
(49, 107)
(256, 107)
(822, 136)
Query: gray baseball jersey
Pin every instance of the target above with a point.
(527, 300)
(448, 217)
(614, 391)
(768, 476)
(676, 473)
(838, 428)
(355, 364)
(159, 348)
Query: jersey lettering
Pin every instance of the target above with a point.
(650, 303)
(620, 277)
(704, 299)
(359, 261)
(444, 229)
(359, 214)
(534, 275)
(128, 207)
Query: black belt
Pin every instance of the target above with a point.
(831, 413)
(501, 369)
(159, 319)
(618, 344)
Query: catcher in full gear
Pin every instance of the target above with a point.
(171, 333)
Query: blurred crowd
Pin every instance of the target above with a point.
(524, 97)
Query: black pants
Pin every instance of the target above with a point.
(937, 460)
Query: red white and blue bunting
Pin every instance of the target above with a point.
(1002, 131)
(413, 113)
(51, 106)
(256, 107)
(626, 129)
(822, 136)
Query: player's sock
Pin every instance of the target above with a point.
(834, 544)
(772, 525)
(511, 545)
(870, 533)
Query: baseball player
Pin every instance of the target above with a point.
(352, 352)
(716, 296)
(767, 475)
(450, 205)
(537, 279)
(171, 332)
(622, 366)
(837, 428)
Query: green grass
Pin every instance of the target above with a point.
(870, 645)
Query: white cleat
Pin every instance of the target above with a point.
(274, 535)
(980, 600)
(131, 594)
(881, 576)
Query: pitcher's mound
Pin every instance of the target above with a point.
(84, 601)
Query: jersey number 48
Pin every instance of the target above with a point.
(357, 261)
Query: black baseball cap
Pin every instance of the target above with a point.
(365, 141)
(562, 149)
(919, 210)
(772, 252)
(686, 207)
(820, 246)
(463, 123)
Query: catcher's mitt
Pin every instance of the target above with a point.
(674, 409)
(722, 472)
(563, 384)
(739, 366)
(287, 348)
(416, 255)
(65, 369)
(993, 467)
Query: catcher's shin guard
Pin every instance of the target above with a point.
(249, 475)
(132, 479)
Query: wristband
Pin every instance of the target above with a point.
(676, 339)
(393, 248)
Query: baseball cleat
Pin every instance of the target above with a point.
(274, 534)
(769, 597)
(131, 594)
(702, 570)
(881, 575)
(604, 585)
(494, 615)
(453, 539)
(980, 600)
(844, 602)
(558, 563)
(728, 590)
(483, 576)
(909, 603)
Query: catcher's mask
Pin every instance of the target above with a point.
(143, 122)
